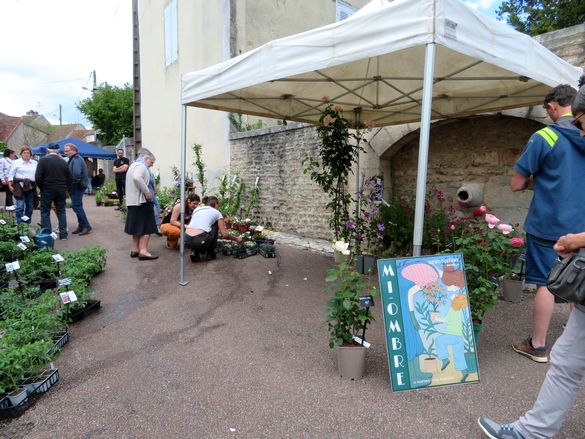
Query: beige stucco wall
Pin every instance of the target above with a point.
(207, 37)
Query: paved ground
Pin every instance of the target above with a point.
(239, 353)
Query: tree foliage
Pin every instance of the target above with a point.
(110, 110)
(535, 17)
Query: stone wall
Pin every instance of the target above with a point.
(288, 200)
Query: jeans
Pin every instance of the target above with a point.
(24, 206)
(76, 195)
(209, 246)
(121, 189)
(60, 198)
(156, 210)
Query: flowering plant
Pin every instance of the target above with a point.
(489, 249)
(188, 180)
(369, 225)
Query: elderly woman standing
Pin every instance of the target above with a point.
(21, 180)
(140, 221)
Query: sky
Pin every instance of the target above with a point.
(50, 49)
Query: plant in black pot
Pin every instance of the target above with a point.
(346, 319)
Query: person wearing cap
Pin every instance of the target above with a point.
(53, 178)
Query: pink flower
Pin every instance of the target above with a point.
(370, 124)
(505, 228)
(491, 220)
(452, 227)
(327, 120)
(517, 242)
(338, 108)
(483, 208)
(325, 99)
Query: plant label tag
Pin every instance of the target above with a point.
(24, 239)
(63, 282)
(359, 340)
(11, 266)
(25, 218)
(522, 257)
(2, 222)
(58, 258)
(259, 228)
(68, 297)
(21, 246)
(366, 301)
(53, 235)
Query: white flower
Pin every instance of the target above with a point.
(345, 252)
(340, 246)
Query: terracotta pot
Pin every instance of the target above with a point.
(431, 365)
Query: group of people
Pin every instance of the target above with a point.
(54, 177)
(553, 165)
(202, 220)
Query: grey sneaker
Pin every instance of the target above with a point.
(523, 347)
(497, 431)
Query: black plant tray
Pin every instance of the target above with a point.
(9, 412)
(267, 255)
(60, 341)
(91, 307)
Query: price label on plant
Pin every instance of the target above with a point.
(58, 258)
(2, 222)
(21, 246)
(53, 235)
(259, 228)
(68, 297)
(11, 266)
(24, 239)
(25, 218)
(63, 282)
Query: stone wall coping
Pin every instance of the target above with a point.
(270, 130)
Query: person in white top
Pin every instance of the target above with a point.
(21, 180)
(202, 231)
(5, 163)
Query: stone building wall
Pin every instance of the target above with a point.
(288, 200)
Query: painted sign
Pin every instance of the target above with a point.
(429, 332)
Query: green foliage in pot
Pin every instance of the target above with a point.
(85, 263)
(267, 248)
(38, 266)
(200, 165)
(343, 316)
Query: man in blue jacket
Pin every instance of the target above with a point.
(78, 185)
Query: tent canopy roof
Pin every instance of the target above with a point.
(375, 60)
(84, 149)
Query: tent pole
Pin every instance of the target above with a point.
(182, 196)
(357, 111)
(423, 148)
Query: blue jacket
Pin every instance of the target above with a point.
(555, 156)
(79, 171)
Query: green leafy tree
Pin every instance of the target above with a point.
(535, 17)
(110, 110)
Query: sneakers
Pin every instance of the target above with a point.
(497, 431)
(167, 244)
(525, 348)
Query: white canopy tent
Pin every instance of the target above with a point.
(391, 62)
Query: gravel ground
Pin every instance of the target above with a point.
(238, 352)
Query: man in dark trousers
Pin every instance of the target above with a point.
(79, 171)
(121, 165)
(53, 178)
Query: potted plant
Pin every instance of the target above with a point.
(267, 250)
(251, 248)
(346, 319)
(488, 247)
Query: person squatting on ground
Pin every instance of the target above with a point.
(555, 159)
(21, 181)
(53, 177)
(567, 357)
(171, 223)
(78, 185)
(121, 165)
(202, 231)
(140, 221)
(5, 163)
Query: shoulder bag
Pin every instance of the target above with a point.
(567, 278)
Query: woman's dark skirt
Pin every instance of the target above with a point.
(140, 220)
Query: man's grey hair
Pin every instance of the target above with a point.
(143, 152)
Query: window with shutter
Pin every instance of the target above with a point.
(343, 10)
(171, 33)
